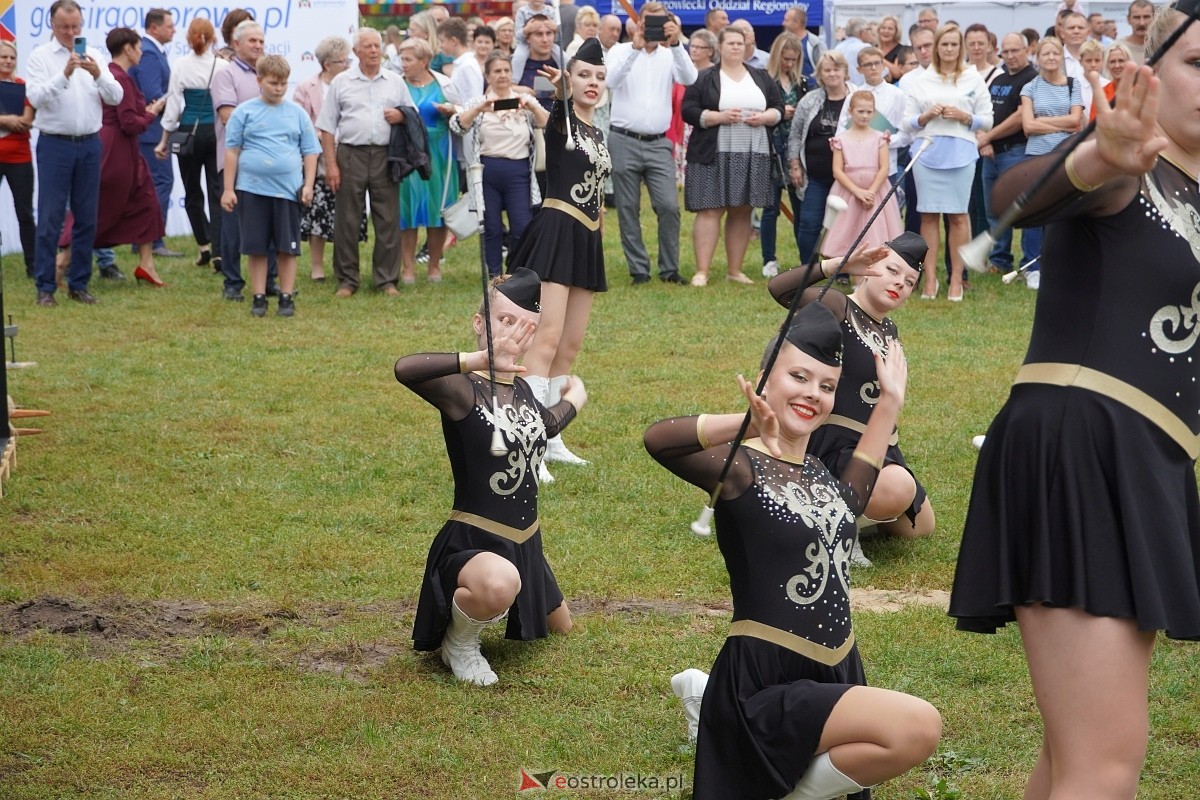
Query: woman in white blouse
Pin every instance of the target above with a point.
(498, 131)
(189, 106)
(947, 104)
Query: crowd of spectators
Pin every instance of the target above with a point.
(758, 132)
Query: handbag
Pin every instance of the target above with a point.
(181, 142)
(461, 216)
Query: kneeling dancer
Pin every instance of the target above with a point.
(786, 712)
(486, 562)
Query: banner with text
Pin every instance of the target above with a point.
(292, 28)
(766, 13)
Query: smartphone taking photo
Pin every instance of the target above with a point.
(542, 84)
(81, 46)
(506, 104)
(654, 27)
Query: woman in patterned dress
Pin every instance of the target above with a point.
(421, 200)
(564, 242)
(486, 562)
(731, 107)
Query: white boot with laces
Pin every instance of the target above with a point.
(556, 450)
(541, 391)
(460, 648)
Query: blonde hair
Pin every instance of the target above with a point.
(1091, 48)
(273, 67)
(1166, 19)
(420, 47)
(937, 65)
(837, 59)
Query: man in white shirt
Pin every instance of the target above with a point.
(67, 88)
(889, 101)
(355, 127)
(850, 46)
(641, 76)
(922, 45)
(1074, 34)
(467, 76)
(1096, 30)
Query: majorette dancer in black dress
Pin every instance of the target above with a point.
(786, 711)
(564, 242)
(487, 560)
(889, 274)
(1084, 520)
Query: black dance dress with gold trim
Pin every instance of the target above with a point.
(495, 497)
(563, 243)
(858, 388)
(1085, 491)
(857, 391)
(785, 530)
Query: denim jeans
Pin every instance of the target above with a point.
(770, 220)
(812, 214)
(68, 173)
(1031, 238)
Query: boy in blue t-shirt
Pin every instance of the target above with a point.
(271, 154)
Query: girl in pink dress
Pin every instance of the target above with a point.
(860, 171)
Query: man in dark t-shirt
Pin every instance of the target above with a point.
(1003, 146)
(539, 34)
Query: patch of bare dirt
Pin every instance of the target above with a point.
(111, 626)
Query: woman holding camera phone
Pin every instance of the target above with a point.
(497, 131)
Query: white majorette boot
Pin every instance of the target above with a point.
(460, 648)
(541, 391)
(688, 686)
(555, 449)
(823, 781)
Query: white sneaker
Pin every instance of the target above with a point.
(688, 686)
(977, 441)
(543, 474)
(1033, 278)
(770, 269)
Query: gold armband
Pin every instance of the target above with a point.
(700, 437)
(461, 366)
(877, 463)
(1073, 176)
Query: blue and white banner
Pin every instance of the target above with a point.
(292, 27)
(765, 13)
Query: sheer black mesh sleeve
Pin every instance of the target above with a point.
(557, 417)
(435, 378)
(1058, 199)
(674, 444)
(858, 481)
(783, 288)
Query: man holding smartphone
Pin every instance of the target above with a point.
(67, 84)
(641, 74)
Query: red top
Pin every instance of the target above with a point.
(14, 148)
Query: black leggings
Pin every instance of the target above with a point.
(20, 183)
(205, 230)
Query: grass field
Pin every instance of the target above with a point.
(209, 562)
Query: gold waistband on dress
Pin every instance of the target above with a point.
(790, 641)
(1060, 374)
(855, 425)
(580, 217)
(498, 528)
